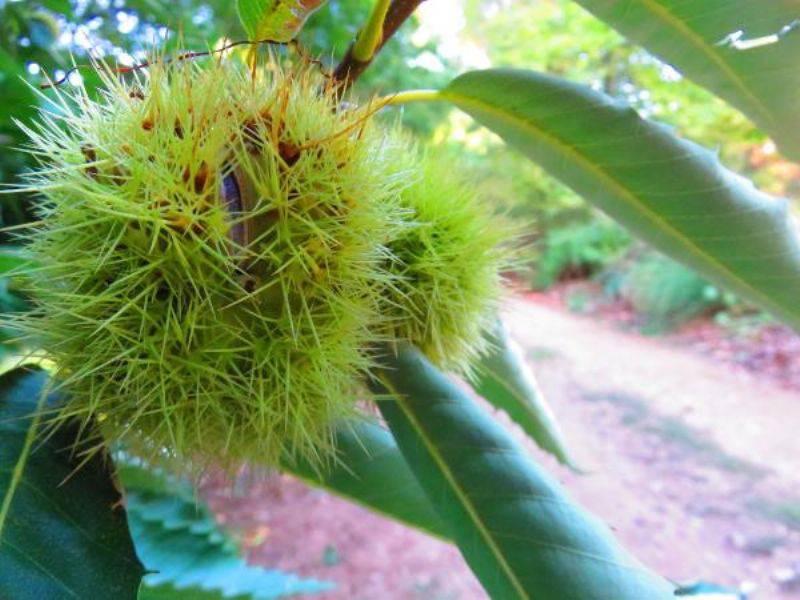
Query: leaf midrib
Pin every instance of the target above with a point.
(512, 391)
(591, 167)
(454, 485)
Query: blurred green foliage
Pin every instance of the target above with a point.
(579, 250)
(28, 31)
(664, 292)
(577, 46)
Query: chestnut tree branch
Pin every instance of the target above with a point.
(350, 68)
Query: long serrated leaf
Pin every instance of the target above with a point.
(170, 592)
(187, 554)
(503, 378)
(186, 561)
(372, 472)
(517, 529)
(672, 192)
(65, 533)
(745, 51)
(275, 20)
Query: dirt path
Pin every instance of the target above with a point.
(695, 466)
(748, 418)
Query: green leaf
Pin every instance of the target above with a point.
(13, 258)
(186, 553)
(744, 51)
(65, 534)
(372, 472)
(507, 383)
(671, 192)
(60, 6)
(275, 20)
(519, 532)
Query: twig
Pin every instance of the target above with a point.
(371, 34)
(350, 68)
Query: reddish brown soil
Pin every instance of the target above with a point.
(303, 530)
(694, 464)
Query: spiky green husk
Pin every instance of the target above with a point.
(180, 321)
(447, 266)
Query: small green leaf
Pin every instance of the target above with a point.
(61, 6)
(520, 533)
(372, 472)
(507, 383)
(65, 534)
(14, 258)
(674, 194)
(186, 553)
(275, 20)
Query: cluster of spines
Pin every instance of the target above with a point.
(218, 255)
(447, 269)
(224, 328)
